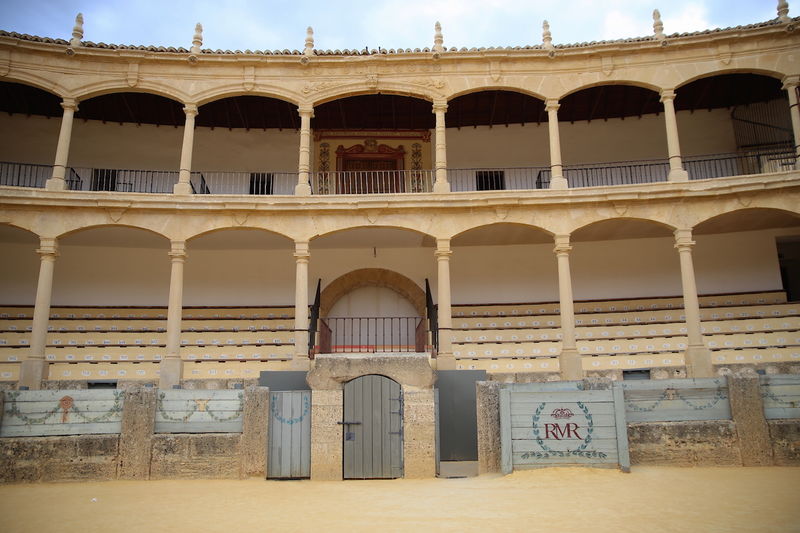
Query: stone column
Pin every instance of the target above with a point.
(790, 84)
(184, 186)
(698, 357)
(303, 187)
(441, 184)
(56, 182)
(569, 361)
(171, 368)
(445, 359)
(676, 171)
(301, 255)
(557, 179)
(34, 368)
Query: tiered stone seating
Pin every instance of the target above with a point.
(128, 336)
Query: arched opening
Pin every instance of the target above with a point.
(372, 143)
(497, 140)
(372, 297)
(29, 124)
(748, 250)
(734, 124)
(246, 145)
(18, 278)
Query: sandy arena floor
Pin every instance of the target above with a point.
(651, 499)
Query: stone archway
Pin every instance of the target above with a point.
(371, 277)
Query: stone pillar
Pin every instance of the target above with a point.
(136, 435)
(34, 368)
(676, 171)
(569, 361)
(557, 179)
(419, 433)
(747, 412)
(303, 187)
(184, 186)
(56, 182)
(445, 360)
(488, 407)
(441, 184)
(698, 357)
(255, 423)
(327, 453)
(171, 368)
(790, 84)
(301, 255)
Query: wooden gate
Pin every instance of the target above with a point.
(289, 454)
(559, 424)
(373, 428)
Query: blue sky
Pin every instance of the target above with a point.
(280, 24)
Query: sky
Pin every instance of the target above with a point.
(281, 24)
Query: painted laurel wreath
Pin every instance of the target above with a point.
(580, 451)
(195, 406)
(290, 421)
(66, 405)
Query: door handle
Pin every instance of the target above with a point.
(343, 423)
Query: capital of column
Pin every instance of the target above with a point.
(306, 110)
(443, 250)
(48, 248)
(790, 82)
(177, 251)
(667, 94)
(301, 252)
(551, 104)
(683, 240)
(69, 103)
(562, 245)
(439, 107)
(190, 110)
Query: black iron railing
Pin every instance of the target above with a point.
(498, 179)
(372, 334)
(433, 317)
(24, 175)
(739, 164)
(616, 173)
(372, 181)
(313, 319)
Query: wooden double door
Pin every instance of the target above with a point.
(373, 428)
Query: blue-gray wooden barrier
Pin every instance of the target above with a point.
(781, 395)
(289, 454)
(559, 424)
(199, 411)
(39, 413)
(670, 400)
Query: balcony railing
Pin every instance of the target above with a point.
(373, 334)
(400, 181)
(372, 181)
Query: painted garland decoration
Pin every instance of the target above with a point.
(667, 394)
(66, 404)
(580, 451)
(771, 395)
(289, 421)
(199, 406)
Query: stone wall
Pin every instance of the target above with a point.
(684, 443)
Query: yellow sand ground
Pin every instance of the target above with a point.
(650, 499)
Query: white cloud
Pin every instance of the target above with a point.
(693, 17)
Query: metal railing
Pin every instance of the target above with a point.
(739, 164)
(372, 181)
(498, 179)
(616, 173)
(24, 174)
(433, 317)
(234, 182)
(121, 180)
(372, 334)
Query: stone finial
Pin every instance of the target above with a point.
(658, 26)
(783, 11)
(197, 39)
(309, 49)
(438, 39)
(547, 37)
(77, 31)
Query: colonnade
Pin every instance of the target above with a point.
(439, 108)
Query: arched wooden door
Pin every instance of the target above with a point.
(373, 428)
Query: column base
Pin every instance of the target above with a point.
(55, 184)
(570, 365)
(302, 189)
(698, 362)
(559, 183)
(32, 372)
(441, 186)
(182, 188)
(170, 372)
(445, 361)
(678, 174)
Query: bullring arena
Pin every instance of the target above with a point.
(436, 271)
